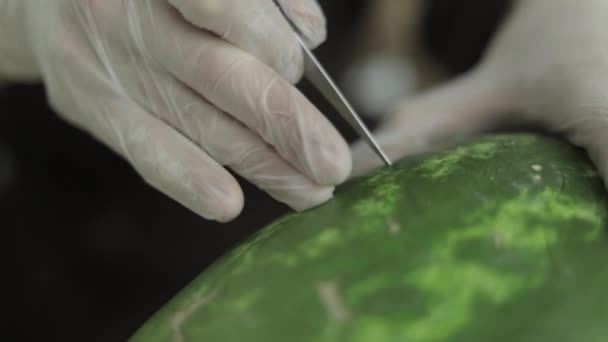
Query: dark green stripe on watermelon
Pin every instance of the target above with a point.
(499, 240)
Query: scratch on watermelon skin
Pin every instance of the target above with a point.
(331, 298)
(182, 316)
(408, 267)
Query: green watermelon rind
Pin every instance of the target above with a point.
(491, 240)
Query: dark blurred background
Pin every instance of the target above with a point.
(92, 251)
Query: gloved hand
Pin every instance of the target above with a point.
(548, 66)
(184, 89)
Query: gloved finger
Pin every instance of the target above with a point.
(175, 166)
(233, 145)
(590, 133)
(467, 105)
(258, 27)
(258, 97)
(256, 161)
(574, 103)
(308, 16)
(172, 164)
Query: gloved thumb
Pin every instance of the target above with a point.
(578, 103)
(469, 104)
(591, 135)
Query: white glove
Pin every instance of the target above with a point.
(184, 88)
(547, 67)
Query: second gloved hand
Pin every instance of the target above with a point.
(186, 88)
(548, 67)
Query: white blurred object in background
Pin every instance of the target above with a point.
(375, 83)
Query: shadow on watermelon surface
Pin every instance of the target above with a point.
(501, 239)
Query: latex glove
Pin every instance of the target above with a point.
(548, 66)
(184, 89)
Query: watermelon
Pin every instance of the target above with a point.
(500, 239)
